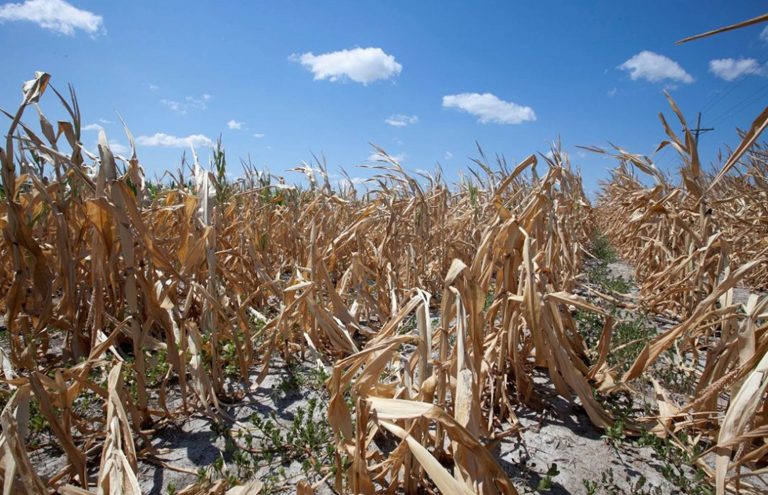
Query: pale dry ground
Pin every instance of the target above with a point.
(191, 444)
(557, 433)
(562, 434)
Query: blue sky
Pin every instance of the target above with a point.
(282, 80)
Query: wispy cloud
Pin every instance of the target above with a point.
(489, 108)
(189, 103)
(235, 125)
(448, 155)
(655, 68)
(612, 92)
(764, 34)
(399, 120)
(161, 139)
(153, 87)
(55, 15)
(115, 146)
(259, 135)
(91, 127)
(118, 147)
(731, 68)
(363, 65)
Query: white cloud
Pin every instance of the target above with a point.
(54, 15)
(363, 65)
(488, 107)
(235, 125)
(259, 135)
(117, 147)
(154, 87)
(399, 120)
(105, 121)
(448, 155)
(168, 141)
(189, 103)
(174, 105)
(655, 68)
(612, 92)
(91, 127)
(731, 68)
(764, 34)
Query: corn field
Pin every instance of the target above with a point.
(431, 306)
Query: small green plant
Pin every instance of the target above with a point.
(619, 404)
(306, 440)
(599, 274)
(590, 326)
(270, 443)
(170, 488)
(229, 357)
(614, 434)
(602, 248)
(545, 483)
(489, 297)
(590, 487)
(408, 326)
(673, 375)
(296, 377)
(629, 338)
(202, 475)
(157, 367)
(38, 424)
(129, 378)
(677, 464)
(608, 486)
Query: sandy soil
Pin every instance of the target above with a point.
(559, 433)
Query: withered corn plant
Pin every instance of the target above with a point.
(693, 243)
(432, 306)
(103, 273)
(444, 388)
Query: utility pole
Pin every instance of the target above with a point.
(699, 130)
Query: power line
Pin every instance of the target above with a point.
(715, 100)
(731, 87)
(740, 105)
